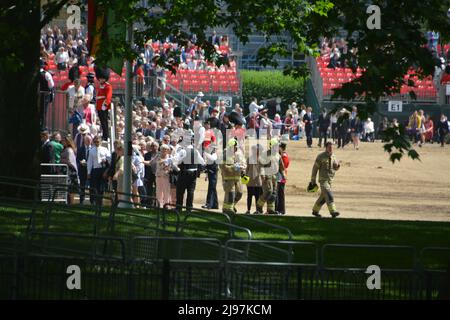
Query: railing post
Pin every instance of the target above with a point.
(165, 280)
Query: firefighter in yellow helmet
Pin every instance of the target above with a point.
(232, 167)
(327, 165)
(270, 166)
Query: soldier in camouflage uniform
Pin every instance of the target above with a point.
(232, 167)
(327, 165)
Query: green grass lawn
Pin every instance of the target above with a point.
(417, 234)
(15, 223)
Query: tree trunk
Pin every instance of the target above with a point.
(19, 97)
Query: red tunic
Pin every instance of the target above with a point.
(445, 78)
(104, 96)
(209, 138)
(285, 159)
(66, 85)
(140, 75)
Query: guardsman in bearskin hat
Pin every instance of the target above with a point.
(104, 96)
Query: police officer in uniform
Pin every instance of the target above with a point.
(188, 160)
(232, 168)
(270, 164)
(90, 87)
(46, 87)
(327, 165)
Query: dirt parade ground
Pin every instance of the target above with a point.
(368, 185)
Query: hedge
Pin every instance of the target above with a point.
(271, 84)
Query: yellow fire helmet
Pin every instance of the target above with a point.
(232, 142)
(273, 142)
(245, 179)
(312, 187)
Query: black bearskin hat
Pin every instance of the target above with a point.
(74, 72)
(102, 73)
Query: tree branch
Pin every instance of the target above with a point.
(52, 10)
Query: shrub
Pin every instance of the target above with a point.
(271, 84)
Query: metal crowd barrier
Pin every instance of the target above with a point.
(386, 248)
(51, 182)
(177, 249)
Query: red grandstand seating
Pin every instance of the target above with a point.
(333, 78)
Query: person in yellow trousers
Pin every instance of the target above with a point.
(270, 165)
(327, 165)
(232, 168)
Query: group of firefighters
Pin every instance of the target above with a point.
(271, 168)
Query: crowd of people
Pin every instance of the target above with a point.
(421, 128)
(163, 137)
(68, 47)
(171, 147)
(336, 50)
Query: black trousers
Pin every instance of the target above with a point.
(142, 194)
(334, 131)
(280, 203)
(82, 174)
(442, 133)
(253, 192)
(139, 89)
(211, 198)
(324, 135)
(44, 101)
(150, 187)
(342, 139)
(186, 182)
(98, 185)
(104, 116)
(309, 134)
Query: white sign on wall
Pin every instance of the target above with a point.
(395, 106)
(228, 100)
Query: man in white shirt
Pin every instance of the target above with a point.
(61, 58)
(199, 133)
(98, 161)
(369, 130)
(254, 107)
